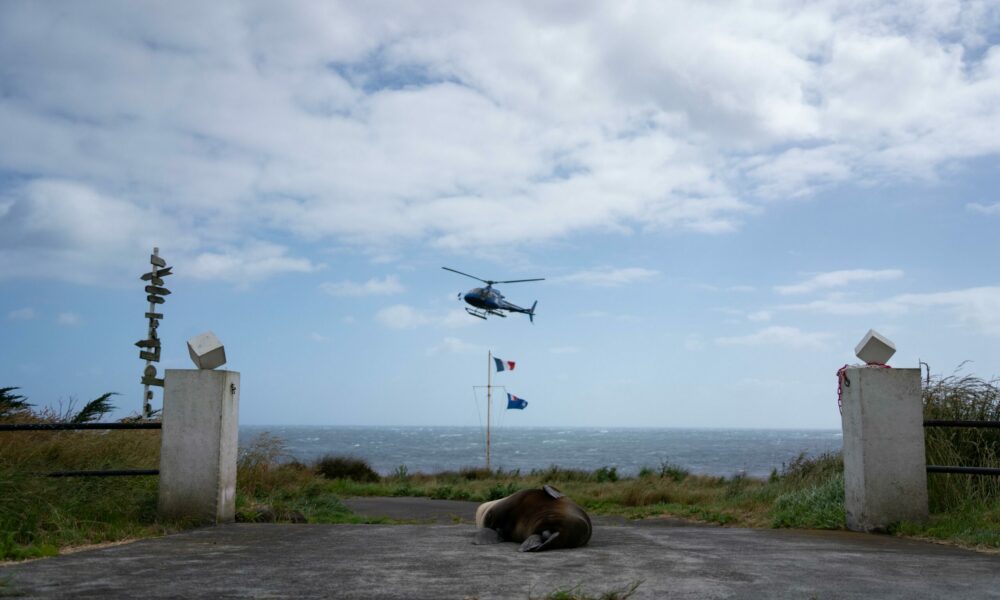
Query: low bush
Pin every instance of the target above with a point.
(346, 467)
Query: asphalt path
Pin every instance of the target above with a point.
(434, 558)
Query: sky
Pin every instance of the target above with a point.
(723, 198)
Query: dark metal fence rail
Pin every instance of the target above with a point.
(111, 473)
(88, 426)
(69, 426)
(983, 424)
(963, 470)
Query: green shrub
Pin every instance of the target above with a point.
(501, 490)
(673, 472)
(556, 473)
(345, 467)
(605, 474)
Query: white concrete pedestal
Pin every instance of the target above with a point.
(885, 469)
(199, 446)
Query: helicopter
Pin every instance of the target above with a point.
(489, 301)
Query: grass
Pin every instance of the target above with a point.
(577, 593)
(40, 515)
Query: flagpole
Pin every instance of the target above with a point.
(489, 402)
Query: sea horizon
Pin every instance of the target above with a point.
(437, 448)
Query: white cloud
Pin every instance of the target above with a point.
(345, 123)
(788, 337)
(68, 319)
(978, 308)
(834, 279)
(388, 285)
(22, 314)
(455, 346)
(247, 264)
(403, 316)
(985, 209)
(609, 277)
(760, 315)
(318, 337)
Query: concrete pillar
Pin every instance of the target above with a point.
(885, 469)
(199, 446)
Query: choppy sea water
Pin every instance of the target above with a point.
(725, 452)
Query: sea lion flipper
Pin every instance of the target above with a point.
(485, 536)
(535, 543)
(551, 491)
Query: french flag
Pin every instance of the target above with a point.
(515, 402)
(503, 365)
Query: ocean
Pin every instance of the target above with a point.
(722, 452)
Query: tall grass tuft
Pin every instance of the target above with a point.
(962, 398)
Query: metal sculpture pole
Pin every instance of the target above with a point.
(149, 348)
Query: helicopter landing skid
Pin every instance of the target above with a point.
(482, 314)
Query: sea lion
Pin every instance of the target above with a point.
(542, 519)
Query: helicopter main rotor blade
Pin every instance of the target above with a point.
(520, 280)
(467, 275)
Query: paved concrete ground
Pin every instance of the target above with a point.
(438, 561)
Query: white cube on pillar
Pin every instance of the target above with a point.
(199, 445)
(885, 468)
(875, 348)
(206, 351)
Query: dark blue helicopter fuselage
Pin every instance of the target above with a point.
(485, 298)
(491, 300)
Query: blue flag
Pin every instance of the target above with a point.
(515, 402)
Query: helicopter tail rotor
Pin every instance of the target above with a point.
(531, 311)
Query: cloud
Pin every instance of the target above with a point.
(788, 337)
(68, 319)
(246, 264)
(455, 346)
(985, 209)
(333, 123)
(978, 308)
(318, 337)
(609, 277)
(65, 230)
(403, 316)
(373, 287)
(835, 279)
(760, 315)
(21, 314)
